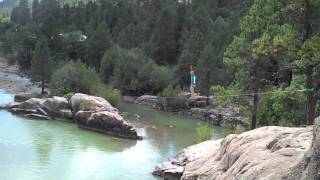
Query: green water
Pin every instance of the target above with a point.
(53, 150)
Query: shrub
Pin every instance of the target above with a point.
(78, 77)
(69, 95)
(132, 72)
(73, 77)
(169, 91)
(108, 93)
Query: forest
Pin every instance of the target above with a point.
(260, 55)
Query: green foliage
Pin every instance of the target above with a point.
(204, 132)
(73, 77)
(97, 44)
(107, 92)
(69, 95)
(20, 15)
(170, 91)
(226, 96)
(80, 78)
(41, 63)
(284, 107)
(85, 105)
(133, 72)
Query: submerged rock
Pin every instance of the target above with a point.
(264, 153)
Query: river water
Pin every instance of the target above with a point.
(54, 150)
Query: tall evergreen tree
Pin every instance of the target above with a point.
(21, 14)
(97, 44)
(40, 64)
(36, 11)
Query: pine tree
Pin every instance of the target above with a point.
(251, 53)
(40, 64)
(21, 14)
(36, 10)
(97, 44)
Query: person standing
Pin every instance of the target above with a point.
(193, 81)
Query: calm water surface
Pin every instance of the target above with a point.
(53, 150)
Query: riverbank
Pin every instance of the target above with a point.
(196, 107)
(12, 81)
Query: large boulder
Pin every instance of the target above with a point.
(225, 117)
(96, 103)
(46, 108)
(264, 153)
(153, 101)
(25, 96)
(173, 104)
(173, 169)
(106, 122)
(198, 101)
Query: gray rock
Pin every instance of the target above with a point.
(37, 116)
(130, 99)
(153, 101)
(264, 153)
(173, 104)
(106, 122)
(96, 103)
(197, 101)
(25, 96)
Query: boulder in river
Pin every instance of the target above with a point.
(99, 115)
(26, 96)
(96, 103)
(264, 153)
(106, 122)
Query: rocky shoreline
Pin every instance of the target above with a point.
(264, 153)
(196, 107)
(88, 112)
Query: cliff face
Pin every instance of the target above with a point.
(264, 153)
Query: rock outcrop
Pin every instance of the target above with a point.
(153, 101)
(196, 107)
(89, 112)
(264, 153)
(100, 116)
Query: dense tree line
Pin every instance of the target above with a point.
(244, 47)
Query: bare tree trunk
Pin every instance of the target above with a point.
(311, 100)
(42, 86)
(310, 96)
(254, 110)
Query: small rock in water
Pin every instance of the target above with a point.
(154, 127)
(171, 126)
(137, 116)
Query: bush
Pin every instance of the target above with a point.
(69, 95)
(170, 91)
(133, 72)
(283, 107)
(73, 77)
(204, 133)
(80, 78)
(108, 93)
